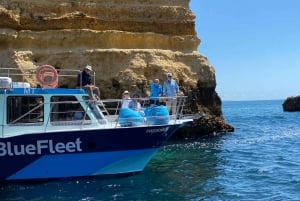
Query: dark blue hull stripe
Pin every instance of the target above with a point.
(85, 164)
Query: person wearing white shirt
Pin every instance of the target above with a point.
(135, 105)
(125, 99)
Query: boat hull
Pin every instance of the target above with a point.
(81, 153)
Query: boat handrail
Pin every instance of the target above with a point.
(21, 74)
(56, 119)
(114, 106)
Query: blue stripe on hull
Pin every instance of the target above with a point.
(86, 164)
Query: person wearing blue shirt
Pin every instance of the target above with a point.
(170, 91)
(79, 113)
(155, 92)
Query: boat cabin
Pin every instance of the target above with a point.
(44, 109)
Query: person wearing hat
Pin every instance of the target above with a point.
(170, 91)
(125, 99)
(84, 80)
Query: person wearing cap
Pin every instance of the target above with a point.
(134, 104)
(170, 91)
(155, 92)
(84, 80)
(125, 99)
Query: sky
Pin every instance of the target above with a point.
(253, 45)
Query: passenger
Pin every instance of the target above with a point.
(134, 104)
(78, 114)
(125, 99)
(84, 80)
(170, 91)
(155, 92)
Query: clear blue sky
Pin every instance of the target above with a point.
(254, 46)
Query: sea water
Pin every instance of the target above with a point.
(259, 161)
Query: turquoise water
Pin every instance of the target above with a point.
(259, 161)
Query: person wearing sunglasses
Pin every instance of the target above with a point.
(170, 91)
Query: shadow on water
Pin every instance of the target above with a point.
(179, 171)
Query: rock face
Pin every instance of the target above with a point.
(291, 104)
(128, 43)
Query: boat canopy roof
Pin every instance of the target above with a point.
(40, 91)
(12, 81)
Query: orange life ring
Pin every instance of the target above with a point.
(47, 76)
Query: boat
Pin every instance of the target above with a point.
(42, 138)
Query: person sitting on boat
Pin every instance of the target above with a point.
(84, 80)
(135, 105)
(125, 99)
(78, 115)
(155, 92)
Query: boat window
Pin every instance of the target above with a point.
(67, 108)
(25, 109)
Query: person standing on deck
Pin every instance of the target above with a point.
(170, 91)
(155, 92)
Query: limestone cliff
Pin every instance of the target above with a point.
(128, 43)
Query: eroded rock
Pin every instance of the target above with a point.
(291, 104)
(128, 43)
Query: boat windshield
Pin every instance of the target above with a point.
(93, 107)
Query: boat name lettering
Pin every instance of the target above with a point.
(41, 146)
(157, 130)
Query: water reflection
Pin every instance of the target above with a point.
(184, 170)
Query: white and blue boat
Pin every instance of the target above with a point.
(51, 133)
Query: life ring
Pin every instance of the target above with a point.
(47, 76)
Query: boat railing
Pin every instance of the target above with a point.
(30, 73)
(17, 72)
(109, 111)
(112, 108)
